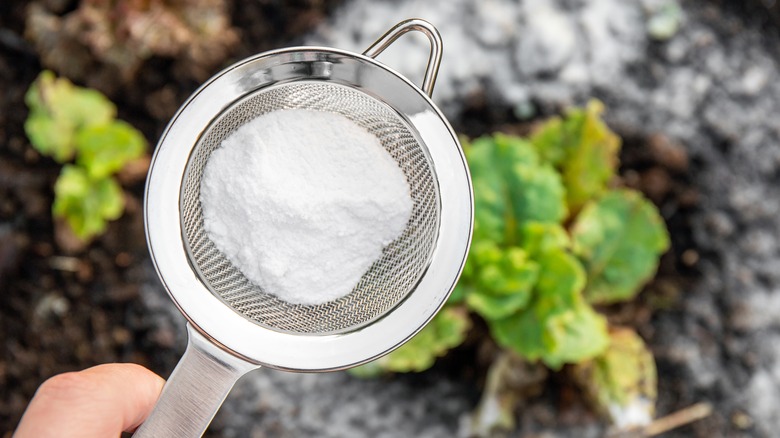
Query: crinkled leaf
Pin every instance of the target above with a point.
(537, 194)
(622, 381)
(447, 330)
(83, 106)
(59, 98)
(511, 187)
(493, 307)
(619, 239)
(522, 332)
(560, 284)
(50, 136)
(85, 203)
(553, 140)
(503, 280)
(105, 149)
(557, 327)
(583, 148)
(575, 335)
(58, 109)
(513, 272)
(537, 237)
(490, 205)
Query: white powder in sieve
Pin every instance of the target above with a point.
(302, 202)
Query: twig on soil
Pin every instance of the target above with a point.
(677, 419)
(64, 263)
(665, 424)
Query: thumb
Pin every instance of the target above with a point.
(99, 402)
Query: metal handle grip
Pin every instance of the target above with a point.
(195, 390)
(434, 59)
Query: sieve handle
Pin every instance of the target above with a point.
(434, 59)
(195, 390)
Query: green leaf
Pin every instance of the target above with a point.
(619, 239)
(522, 332)
(622, 381)
(502, 281)
(447, 330)
(50, 136)
(557, 327)
(492, 307)
(560, 284)
(490, 205)
(538, 238)
(576, 335)
(508, 275)
(511, 187)
(583, 149)
(85, 203)
(105, 149)
(537, 194)
(60, 99)
(58, 109)
(553, 140)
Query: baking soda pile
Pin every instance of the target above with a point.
(302, 202)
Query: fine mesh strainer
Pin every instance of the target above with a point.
(234, 326)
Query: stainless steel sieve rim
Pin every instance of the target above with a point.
(296, 352)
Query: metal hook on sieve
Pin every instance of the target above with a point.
(434, 59)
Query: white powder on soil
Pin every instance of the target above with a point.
(302, 202)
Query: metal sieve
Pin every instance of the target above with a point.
(234, 326)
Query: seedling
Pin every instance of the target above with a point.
(554, 234)
(70, 123)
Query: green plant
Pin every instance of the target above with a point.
(69, 123)
(554, 235)
(446, 331)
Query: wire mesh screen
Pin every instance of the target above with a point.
(388, 280)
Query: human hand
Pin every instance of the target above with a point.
(99, 402)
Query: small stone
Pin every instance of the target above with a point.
(84, 272)
(720, 224)
(754, 80)
(123, 259)
(690, 257)
(52, 305)
(741, 420)
(669, 153)
(121, 335)
(656, 183)
(43, 249)
(688, 198)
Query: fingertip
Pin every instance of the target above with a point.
(146, 388)
(104, 400)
